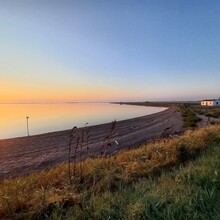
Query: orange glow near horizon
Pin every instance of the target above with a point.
(12, 92)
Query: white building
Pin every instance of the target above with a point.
(210, 102)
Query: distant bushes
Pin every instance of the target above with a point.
(208, 111)
(190, 119)
(213, 114)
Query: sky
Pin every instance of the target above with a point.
(101, 50)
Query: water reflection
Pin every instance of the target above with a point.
(52, 117)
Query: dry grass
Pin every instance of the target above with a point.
(37, 195)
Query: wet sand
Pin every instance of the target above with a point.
(23, 155)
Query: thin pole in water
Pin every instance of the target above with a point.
(27, 126)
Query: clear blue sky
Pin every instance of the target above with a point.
(108, 50)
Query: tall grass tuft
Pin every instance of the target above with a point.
(107, 141)
(77, 142)
(69, 152)
(84, 142)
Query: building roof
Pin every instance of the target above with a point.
(208, 100)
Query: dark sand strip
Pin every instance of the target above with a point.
(21, 156)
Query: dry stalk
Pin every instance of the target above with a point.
(69, 152)
(107, 140)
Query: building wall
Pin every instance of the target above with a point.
(217, 102)
(210, 103)
(207, 103)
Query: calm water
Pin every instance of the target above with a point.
(54, 117)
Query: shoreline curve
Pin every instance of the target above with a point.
(24, 155)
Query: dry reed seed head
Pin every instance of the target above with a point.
(113, 126)
(74, 128)
(73, 131)
(72, 135)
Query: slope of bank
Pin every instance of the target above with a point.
(175, 178)
(20, 156)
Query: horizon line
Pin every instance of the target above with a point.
(75, 102)
(55, 102)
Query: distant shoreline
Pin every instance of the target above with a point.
(145, 103)
(156, 103)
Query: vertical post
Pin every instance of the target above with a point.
(27, 126)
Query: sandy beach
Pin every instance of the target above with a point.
(23, 155)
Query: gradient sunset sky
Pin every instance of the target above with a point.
(109, 50)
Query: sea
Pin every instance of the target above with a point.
(24, 119)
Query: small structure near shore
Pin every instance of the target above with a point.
(210, 102)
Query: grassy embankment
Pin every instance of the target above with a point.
(213, 111)
(177, 178)
(190, 119)
(192, 112)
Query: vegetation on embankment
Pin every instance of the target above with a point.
(209, 111)
(177, 178)
(191, 114)
(190, 119)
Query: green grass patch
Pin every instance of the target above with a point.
(173, 179)
(190, 119)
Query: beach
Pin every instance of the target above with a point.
(24, 155)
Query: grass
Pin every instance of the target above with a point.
(190, 119)
(177, 178)
(209, 111)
